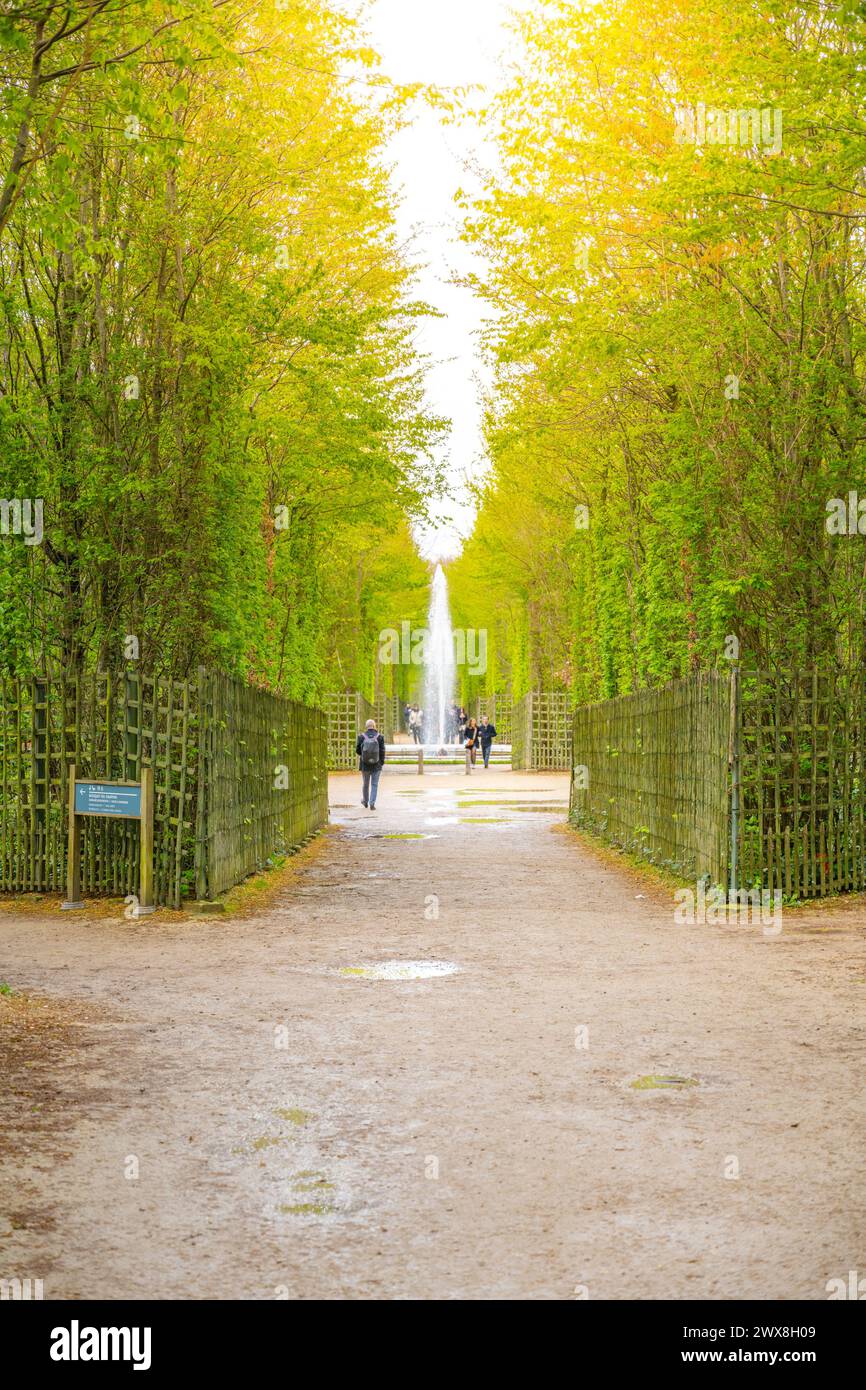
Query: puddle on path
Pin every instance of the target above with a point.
(311, 1180)
(327, 887)
(294, 1115)
(307, 1209)
(314, 1193)
(505, 791)
(265, 1141)
(662, 1083)
(400, 970)
(552, 806)
(415, 835)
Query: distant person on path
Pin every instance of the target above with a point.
(471, 739)
(453, 723)
(415, 723)
(461, 724)
(486, 735)
(370, 748)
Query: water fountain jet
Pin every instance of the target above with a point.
(439, 663)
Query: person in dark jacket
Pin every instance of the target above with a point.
(370, 748)
(453, 723)
(462, 721)
(486, 735)
(471, 739)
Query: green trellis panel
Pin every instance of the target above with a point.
(265, 780)
(498, 709)
(110, 725)
(660, 769)
(541, 732)
(347, 713)
(657, 773)
(803, 781)
(388, 714)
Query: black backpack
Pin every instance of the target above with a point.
(370, 750)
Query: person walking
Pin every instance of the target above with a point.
(471, 739)
(461, 724)
(370, 748)
(453, 723)
(415, 723)
(486, 735)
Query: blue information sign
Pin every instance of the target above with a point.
(107, 799)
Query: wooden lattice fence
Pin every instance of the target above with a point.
(388, 714)
(541, 732)
(217, 814)
(347, 713)
(498, 709)
(265, 788)
(756, 778)
(801, 823)
(651, 774)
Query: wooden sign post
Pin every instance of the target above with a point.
(127, 800)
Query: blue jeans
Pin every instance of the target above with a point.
(485, 749)
(370, 777)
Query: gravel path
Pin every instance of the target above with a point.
(301, 1132)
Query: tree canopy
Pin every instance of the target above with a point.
(208, 367)
(676, 284)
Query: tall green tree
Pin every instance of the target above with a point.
(208, 371)
(677, 271)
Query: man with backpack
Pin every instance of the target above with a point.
(370, 748)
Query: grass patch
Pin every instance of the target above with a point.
(259, 890)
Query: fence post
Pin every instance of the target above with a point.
(132, 727)
(73, 870)
(468, 762)
(145, 904)
(420, 760)
(734, 764)
(39, 849)
(202, 786)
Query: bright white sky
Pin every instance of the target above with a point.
(447, 43)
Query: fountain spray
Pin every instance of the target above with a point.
(438, 660)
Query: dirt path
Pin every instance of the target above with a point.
(289, 1122)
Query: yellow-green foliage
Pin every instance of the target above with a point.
(677, 343)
